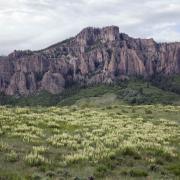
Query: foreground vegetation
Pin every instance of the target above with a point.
(117, 141)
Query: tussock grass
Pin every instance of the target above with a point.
(103, 140)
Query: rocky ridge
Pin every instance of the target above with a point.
(93, 56)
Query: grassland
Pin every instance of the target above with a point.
(125, 131)
(117, 141)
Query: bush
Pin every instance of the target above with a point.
(101, 170)
(36, 176)
(35, 159)
(50, 173)
(154, 167)
(3, 146)
(124, 172)
(159, 161)
(128, 151)
(147, 111)
(134, 172)
(138, 173)
(11, 156)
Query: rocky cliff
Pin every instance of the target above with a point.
(93, 56)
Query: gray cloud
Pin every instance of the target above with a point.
(35, 24)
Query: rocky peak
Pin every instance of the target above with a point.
(90, 35)
(110, 33)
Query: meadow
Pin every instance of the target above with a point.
(116, 141)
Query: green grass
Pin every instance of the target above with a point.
(106, 142)
(175, 169)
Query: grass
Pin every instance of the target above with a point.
(134, 172)
(175, 169)
(113, 141)
(12, 156)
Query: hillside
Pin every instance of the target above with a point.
(134, 91)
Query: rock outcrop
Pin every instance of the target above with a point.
(93, 56)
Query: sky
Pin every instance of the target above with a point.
(36, 24)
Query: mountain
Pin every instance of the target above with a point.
(91, 57)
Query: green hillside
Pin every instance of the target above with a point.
(131, 92)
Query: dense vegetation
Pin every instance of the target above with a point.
(134, 91)
(116, 141)
(171, 83)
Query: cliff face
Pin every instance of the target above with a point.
(93, 56)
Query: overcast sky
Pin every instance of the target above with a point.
(35, 24)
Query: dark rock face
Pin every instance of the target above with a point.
(93, 56)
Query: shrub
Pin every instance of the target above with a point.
(138, 173)
(124, 172)
(66, 173)
(36, 176)
(12, 156)
(50, 173)
(159, 161)
(101, 170)
(109, 107)
(3, 146)
(128, 151)
(39, 149)
(124, 111)
(147, 111)
(154, 167)
(134, 172)
(35, 159)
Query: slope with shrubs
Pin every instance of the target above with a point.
(134, 91)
